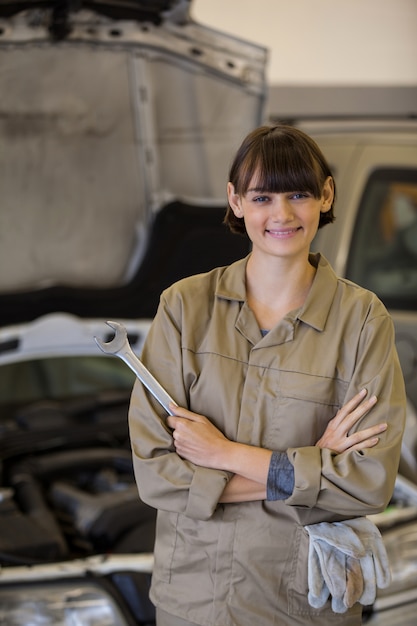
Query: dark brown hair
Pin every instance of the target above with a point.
(285, 159)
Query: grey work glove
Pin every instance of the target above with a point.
(347, 561)
(318, 591)
(374, 564)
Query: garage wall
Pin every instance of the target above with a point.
(328, 56)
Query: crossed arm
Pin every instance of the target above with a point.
(199, 441)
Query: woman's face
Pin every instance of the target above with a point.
(281, 224)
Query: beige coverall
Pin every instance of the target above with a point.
(246, 564)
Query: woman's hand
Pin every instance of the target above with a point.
(196, 439)
(336, 436)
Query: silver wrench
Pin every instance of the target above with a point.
(119, 346)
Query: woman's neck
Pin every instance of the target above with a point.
(275, 289)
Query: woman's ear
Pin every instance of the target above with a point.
(327, 195)
(234, 200)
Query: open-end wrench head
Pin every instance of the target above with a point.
(118, 341)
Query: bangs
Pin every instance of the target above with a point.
(280, 168)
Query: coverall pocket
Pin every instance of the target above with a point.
(298, 588)
(304, 406)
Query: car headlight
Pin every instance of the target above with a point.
(62, 604)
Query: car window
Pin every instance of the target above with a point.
(383, 254)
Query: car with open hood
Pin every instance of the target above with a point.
(117, 123)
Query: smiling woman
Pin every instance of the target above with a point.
(279, 199)
(287, 361)
(299, 169)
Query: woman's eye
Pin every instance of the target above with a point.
(299, 195)
(260, 199)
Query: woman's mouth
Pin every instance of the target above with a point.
(282, 233)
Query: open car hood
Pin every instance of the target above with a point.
(118, 121)
(154, 11)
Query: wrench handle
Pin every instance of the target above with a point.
(144, 375)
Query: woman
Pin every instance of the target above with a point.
(264, 353)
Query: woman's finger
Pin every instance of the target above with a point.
(350, 406)
(179, 411)
(362, 439)
(346, 418)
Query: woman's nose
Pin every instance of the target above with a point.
(281, 209)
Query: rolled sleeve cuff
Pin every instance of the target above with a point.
(205, 491)
(307, 475)
(280, 482)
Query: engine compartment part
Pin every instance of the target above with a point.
(73, 502)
